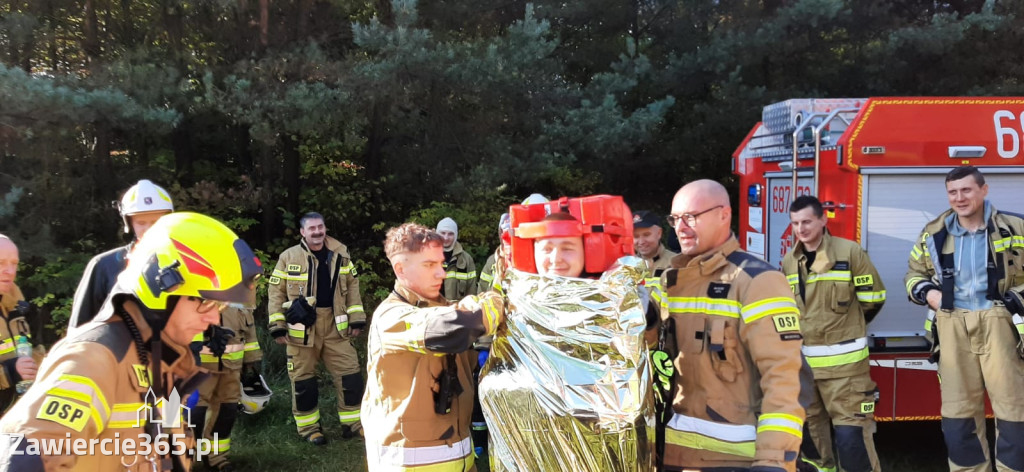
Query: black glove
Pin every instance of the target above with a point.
(300, 312)
(1014, 302)
(217, 339)
(21, 309)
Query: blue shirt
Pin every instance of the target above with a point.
(970, 259)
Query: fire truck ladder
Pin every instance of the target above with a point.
(810, 121)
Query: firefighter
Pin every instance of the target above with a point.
(13, 308)
(839, 292)
(737, 332)
(118, 377)
(487, 281)
(458, 264)
(968, 266)
(419, 397)
(647, 240)
(140, 207)
(239, 358)
(315, 311)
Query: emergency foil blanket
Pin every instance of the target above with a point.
(567, 386)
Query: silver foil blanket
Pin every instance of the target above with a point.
(567, 386)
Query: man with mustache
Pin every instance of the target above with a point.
(315, 310)
(840, 292)
(13, 368)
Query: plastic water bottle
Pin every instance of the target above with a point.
(24, 349)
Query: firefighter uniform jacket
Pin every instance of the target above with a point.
(97, 282)
(841, 292)
(295, 276)
(661, 261)
(94, 385)
(242, 349)
(13, 325)
(933, 253)
(411, 342)
(486, 275)
(460, 277)
(736, 327)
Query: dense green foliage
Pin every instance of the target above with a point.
(377, 112)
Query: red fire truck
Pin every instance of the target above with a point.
(878, 165)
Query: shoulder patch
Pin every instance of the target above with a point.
(65, 412)
(274, 280)
(113, 336)
(142, 375)
(294, 268)
(670, 277)
(786, 322)
(750, 263)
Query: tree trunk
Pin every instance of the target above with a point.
(264, 23)
(292, 170)
(302, 20)
(268, 182)
(181, 143)
(244, 143)
(92, 43)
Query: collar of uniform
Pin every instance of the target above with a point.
(10, 299)
(457, 248)
(710, 261)
(415, 299)
(330, 243)
(823, 258)
(183, 364)
(657, 255)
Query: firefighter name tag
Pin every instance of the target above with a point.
(141, 375)
(867, 407)
(64, 412)
(786, 323)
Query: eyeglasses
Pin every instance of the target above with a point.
(689, 218)
(205, 305)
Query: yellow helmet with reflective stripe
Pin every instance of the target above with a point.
(189, 254)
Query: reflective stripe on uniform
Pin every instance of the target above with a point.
(916, 252)
(297, 330)
(1018, 321)
(253, 346)
(836, 354)
(127, 415)
(7, 346)
(460, 275)
(83, 389)
(486, 277)
(1001, 245)
(929, 320)
(832, 275)
(695, 433)
(341, 321)
(427, 458)
(348, 417)
(871, 297)
(198, 338)
(306, 420)
(704, 305)
(347, 269)
(781, 422)
(223, 445)
(284, 275)
(767, 307)
(912, 282)
(355, 309)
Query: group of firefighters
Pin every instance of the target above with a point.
(757, 369)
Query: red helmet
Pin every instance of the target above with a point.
(604, 222)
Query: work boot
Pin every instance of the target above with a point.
(317, 438)
(348, 433)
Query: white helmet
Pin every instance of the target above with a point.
(143, 197)
(535, 198)
(255, 397)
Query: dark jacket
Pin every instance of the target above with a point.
(97, 282)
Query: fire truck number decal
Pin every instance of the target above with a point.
(1007, 135)
(781, 197)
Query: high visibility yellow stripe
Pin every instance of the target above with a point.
(355, 309)
(817, 467)
(839, 359)
(912, 282)
(228, 356)
(781, 422)
(916, 252)
(306, 420)
(486, 277)
(869, 297)
(198, 338)
(704, 305)
(832, 275)
(8, 346)
(96, 395)
(347, 269)
(443, 458)
(460, 275)
(793, 279)
(348, 417)
(767, 307)
(285, 276)
(699, 441)
(296, 333)
(253, 346)
(223, 445)
(126, 415)
(274, 318)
